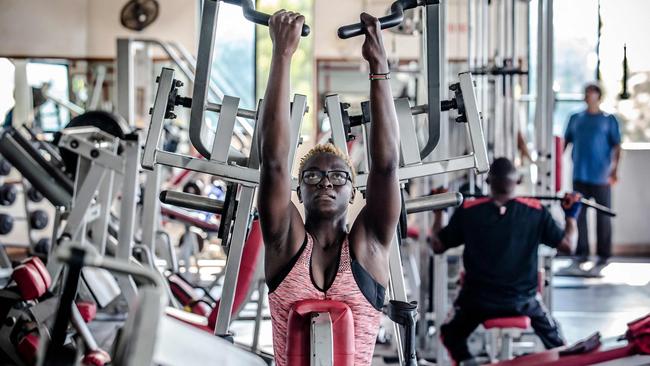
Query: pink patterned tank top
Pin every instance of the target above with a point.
(352, 286)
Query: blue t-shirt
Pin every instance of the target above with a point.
(593, 137)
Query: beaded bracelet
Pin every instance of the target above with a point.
(379, 76)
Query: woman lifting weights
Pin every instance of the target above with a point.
(320, 258)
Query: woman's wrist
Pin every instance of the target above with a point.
(379, 66)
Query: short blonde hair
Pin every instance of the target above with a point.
(326, 149)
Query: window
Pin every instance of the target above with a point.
(302, 64)
(7, 81)
(50, 116)
(575, 57)
(233, 59)
(626, 25)
(578, 54)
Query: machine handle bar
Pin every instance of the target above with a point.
(389, 21)
(257, 17)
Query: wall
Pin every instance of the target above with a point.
(85, 28)
(631, 200)
(43, 28)
(177, 21)
(331, 14)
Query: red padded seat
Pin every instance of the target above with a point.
(28, 348)
(32, 279)
(519, 322)
(299, 330)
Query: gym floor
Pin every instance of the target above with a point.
(607, 304)
(581, 305)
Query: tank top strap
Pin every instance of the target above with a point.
(345, 264)
(306, 254)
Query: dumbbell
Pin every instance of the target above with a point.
(7, 194)
(5, 167)
(6, 224)
(34, 195)
(42, 248)
(38, 219)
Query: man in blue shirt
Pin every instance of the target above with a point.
(596, 141)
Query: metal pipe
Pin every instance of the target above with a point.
(82, 329)
(92, 259)
(391, 20)
(33, 172)
(433, 44)
(241, 112)
(587, 202)
(54, 171)
(419, 109)
(191, 201)
(433, 202)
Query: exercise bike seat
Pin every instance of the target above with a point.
(299, 331)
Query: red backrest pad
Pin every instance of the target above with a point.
(299, 330)
(250, 255)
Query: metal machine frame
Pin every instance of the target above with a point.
(220, 164)
(412, 165)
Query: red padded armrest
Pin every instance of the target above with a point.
(40, 266)
(30, 282)
(299, 329)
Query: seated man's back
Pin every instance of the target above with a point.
(500, 256)
(501, 234)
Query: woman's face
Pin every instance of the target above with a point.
(326, 198)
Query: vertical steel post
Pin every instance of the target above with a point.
(125, 80)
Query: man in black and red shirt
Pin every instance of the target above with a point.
(501, 234)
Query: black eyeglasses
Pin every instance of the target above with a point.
(336, 177)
